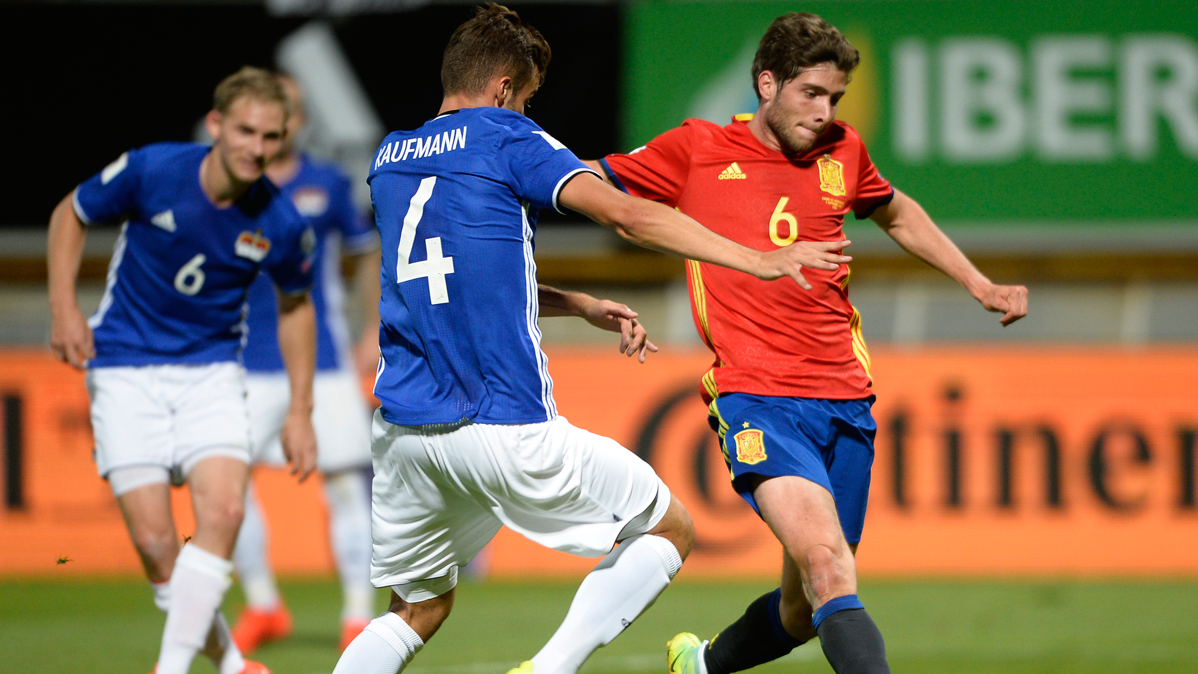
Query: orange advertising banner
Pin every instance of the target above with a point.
(990, 461)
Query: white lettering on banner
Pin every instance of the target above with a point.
(416, 148)
(1145, 95)
(980, 79)
(910, 84)
(1059, 95)
(997, 104)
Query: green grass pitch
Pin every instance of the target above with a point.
(1057, 627)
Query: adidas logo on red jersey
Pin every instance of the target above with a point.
(733, 172)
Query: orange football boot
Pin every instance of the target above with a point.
(255, 628)
(350, 629)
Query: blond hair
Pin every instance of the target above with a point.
(250, 82)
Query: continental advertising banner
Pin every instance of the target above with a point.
(1011, 461)
(998, 113)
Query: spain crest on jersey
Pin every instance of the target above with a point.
(750, 446)
(252, 245)
(831, 176)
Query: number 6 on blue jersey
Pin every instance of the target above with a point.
(435, 267)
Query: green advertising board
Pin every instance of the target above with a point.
(995, 113)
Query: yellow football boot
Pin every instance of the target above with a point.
(684, 654)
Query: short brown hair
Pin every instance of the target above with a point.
(493, 43)
(797, 41)
(256, 83)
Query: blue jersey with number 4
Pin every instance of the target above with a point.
(456, 203)
(181, 267)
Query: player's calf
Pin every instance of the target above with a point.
(757, 637)
(851, 641)
(390, 641)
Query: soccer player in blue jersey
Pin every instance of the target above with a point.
(161, 352)
(323, 195)
(468, 437)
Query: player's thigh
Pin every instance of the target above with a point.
(851, 463)
(267, 398)
(131, 419)
(424, 522)
(342, 422)
(802, 515)
(147, 513)
(766, 437)
(569, 489)
(211, 417)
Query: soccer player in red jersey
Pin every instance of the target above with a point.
(790, 389)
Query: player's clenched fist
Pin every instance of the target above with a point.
(71, 338)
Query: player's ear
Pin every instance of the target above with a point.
(502, 90)
(766, 86)
(212, 123)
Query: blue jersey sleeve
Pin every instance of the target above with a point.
(539, 164)
(357, 230)
(290, 264)
(111, 194)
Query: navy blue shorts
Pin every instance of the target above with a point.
(830, 442)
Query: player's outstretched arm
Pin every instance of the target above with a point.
(297, 344)
(662, 228)
(910, 226)
(70, 336)
(604, 314)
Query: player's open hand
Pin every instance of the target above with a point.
(299, 443)
(1010, 301)
(616, 317)
(71, 337)
(789, 261)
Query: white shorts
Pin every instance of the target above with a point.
(438, 498)
(340, 417)
(168, 416)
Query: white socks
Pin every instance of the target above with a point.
(619, 589)
(384, 647)
(347, 496)
(220, 648)
(251, 560)
(197, 588)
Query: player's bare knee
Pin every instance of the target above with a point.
(677, 528)
(424, 617)
(223, 516)
(157, 549)
(829, 571)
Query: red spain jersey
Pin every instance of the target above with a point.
(769, 337)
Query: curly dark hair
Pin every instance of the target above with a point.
(797, 41)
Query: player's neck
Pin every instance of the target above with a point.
(762, 132)
(462, 101)
(221, 187)
(284, 169)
